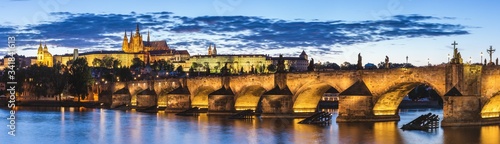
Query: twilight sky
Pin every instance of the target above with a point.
(328, 30)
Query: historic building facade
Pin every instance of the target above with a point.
(44, 57)
(135, 47)
(243, 63)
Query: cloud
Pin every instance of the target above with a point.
(233, 33)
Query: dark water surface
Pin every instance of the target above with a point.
(80, 125)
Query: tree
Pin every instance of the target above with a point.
(124, 74)
(271, 68)
(348, 66)
(207, 70)
(59, 79)
(108, 61)
(311, 65)
(39, 80)
(117, 63)
(79, 78)
(137, 64)
(97, 62)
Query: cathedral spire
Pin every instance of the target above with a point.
(137, 29)
(45, 47)
(131, 36)
(40, 48)
(125, 35)
(148, 37)
(209, 49)
(214, 51)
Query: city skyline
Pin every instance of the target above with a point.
(333, 31)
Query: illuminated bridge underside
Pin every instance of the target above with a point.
(200, 97)
(388, 103)
(308, 98)
(492, 108)
(249, 97)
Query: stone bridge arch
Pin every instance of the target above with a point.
(388, 102)
(249, 88)
(490, 92)
(248, 97)
(491, 108)
(389, 86)
(200, 87)
(308, 88)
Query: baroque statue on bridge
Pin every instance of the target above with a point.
(457, 58)
(386, 65)
(360, 65)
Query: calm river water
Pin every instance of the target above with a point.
(93, 126)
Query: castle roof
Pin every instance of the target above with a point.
(161, 45)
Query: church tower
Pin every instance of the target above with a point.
(44, 57)
(136, 43)
(125, 46)
(210, 49)
(214, 51)
(39, 54)
(303, 55)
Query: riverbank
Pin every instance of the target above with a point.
(50, 103)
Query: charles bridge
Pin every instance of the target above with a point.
(470, 93)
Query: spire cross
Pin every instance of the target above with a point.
(454, 44)
(490, 51)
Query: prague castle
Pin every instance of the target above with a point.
(133, 46)
(243, 63)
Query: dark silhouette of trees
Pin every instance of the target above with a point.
(137, 64)
(271, 68)
(80, 78)
(310, 67)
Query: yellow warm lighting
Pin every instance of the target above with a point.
(384, 112)
(492, 108)
(240, 108)
(304, 110)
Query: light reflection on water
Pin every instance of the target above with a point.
(80, 125)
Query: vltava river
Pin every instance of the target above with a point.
(101, 126)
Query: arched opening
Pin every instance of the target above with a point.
(200, 96)
(249, 97)
(492, 108)
(407, 95)
(309, 96)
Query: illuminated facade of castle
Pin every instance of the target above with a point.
(243, 63)
(132, 48)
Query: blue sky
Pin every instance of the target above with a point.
(328, 30)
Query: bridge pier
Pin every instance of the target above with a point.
(464, 111)
(360, 109)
